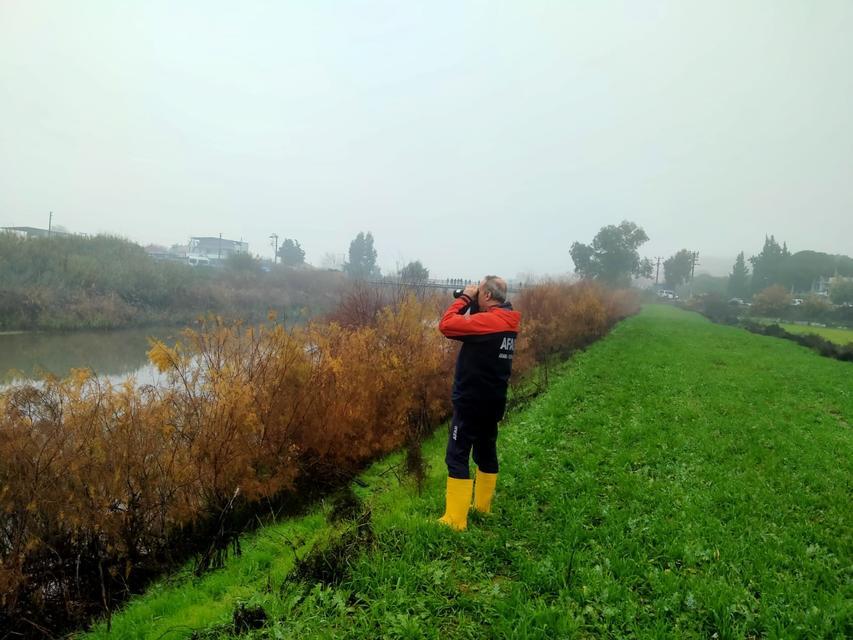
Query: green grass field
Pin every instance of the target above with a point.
(838, 336)
(679, 479)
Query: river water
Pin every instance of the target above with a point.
(114, 354)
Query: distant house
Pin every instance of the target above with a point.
(34, 232)
(207, 250)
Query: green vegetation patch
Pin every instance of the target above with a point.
(679, 479)
(838, 336)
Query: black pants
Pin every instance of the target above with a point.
(467, 432)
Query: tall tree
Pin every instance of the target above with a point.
(613, 257)
(703, 284)
(767, 265)
(739, 278)
(842, 292)
(414, 272)
(677, 268)
(362, 257)
(291, 253)
(805, 269)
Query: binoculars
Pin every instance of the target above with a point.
(458, 292)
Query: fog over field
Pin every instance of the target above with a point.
(475, 137)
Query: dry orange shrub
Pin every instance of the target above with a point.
(560, 317)
(99, 479)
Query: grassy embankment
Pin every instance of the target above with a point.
(679, 479)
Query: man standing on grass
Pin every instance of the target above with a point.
(483, 320)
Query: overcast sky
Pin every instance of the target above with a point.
(475, 136)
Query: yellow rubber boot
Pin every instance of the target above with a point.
(484, 490)
(458, 503)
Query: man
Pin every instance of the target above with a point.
(483, 320)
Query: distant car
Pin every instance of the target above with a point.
(198, 261)
(667, 294)
(738, 301)
(796, 302)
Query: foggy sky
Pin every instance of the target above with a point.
(477, 137)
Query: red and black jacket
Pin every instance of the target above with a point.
(485, 360)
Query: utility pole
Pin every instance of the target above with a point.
(693, 264)
(657, 270)
(274, 238)
(49, 224)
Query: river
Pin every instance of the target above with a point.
(114, 354)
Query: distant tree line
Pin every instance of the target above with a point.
(775, 267)
(613, 258)
(800, 271)
(362, 262)
(69, 282)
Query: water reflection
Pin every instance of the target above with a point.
(111, 354)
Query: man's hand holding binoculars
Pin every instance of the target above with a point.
(472, 290)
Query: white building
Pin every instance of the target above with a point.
(208, 250)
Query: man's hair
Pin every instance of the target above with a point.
(496, 286)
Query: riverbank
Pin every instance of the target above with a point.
(103, 282)
(94, 316)
(678, 479)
